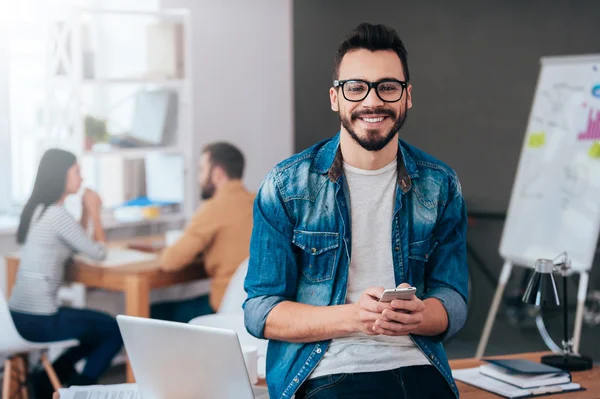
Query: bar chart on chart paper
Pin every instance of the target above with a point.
(592, 131)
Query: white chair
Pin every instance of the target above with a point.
(231, 316)
(234, 295)
(13, 346)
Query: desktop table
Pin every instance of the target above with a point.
(589, 379)
(135, 280)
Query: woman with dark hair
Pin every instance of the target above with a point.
(49, 236)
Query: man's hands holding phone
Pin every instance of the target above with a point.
(395, 318)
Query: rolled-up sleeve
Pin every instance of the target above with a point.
(446, 272)
(73, 235)
(272, 268)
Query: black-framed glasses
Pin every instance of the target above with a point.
(355, 90)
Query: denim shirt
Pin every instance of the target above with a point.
(301, 243)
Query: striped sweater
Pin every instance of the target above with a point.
(52, 239)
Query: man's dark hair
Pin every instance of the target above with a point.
(228, 157)
(371, 37)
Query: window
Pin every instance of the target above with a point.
(40, 113)
(4, 127)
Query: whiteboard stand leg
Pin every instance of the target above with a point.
(489, 323)
(581, 294)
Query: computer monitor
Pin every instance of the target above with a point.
(155, 117)
(165, 175)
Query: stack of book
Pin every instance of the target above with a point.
(524, 373)
(517, 378)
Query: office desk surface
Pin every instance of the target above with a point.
(590, 379)
(136, 280)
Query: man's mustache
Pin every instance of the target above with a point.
(375, 111)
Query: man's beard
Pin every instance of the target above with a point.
(374, 141)
(207, 190)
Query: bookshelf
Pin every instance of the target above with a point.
(95, 75)
(132, 153)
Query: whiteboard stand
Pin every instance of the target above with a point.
(554, 205)
(503, 280)
(584, 278)
(489, 323)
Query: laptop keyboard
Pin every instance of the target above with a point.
(106, 395)
(259, 393)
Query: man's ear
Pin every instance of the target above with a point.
(218, 173)
(333, 99)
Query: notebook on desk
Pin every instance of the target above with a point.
(524, 366)
(473, 377)
(116, 257)
(524, 373)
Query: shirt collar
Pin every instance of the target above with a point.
(329, 161)
(232, 186)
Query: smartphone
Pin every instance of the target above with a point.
(397, 293)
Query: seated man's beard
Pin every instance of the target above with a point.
(207, 191)
(373, 141)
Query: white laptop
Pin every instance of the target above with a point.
(184, 361)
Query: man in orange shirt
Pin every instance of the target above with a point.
(219, 230)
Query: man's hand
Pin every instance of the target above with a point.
(402, 318)
(298, 322)
(368, 310)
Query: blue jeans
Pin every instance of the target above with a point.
(98, 334)
(422, 382)
(181, 311)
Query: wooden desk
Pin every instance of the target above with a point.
(590, 379)
(135, 280)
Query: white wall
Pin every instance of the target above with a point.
(242, 78)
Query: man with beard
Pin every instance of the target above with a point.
(340, 222)
(219, 231)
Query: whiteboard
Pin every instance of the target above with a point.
(555, 199)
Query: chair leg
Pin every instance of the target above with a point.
(51, 373)
(7, 378)
(24, 371)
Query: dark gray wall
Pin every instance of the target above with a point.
(473, 64)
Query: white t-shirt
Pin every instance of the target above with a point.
(372, 197)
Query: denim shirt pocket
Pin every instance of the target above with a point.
(419, 253)
(318, 255)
